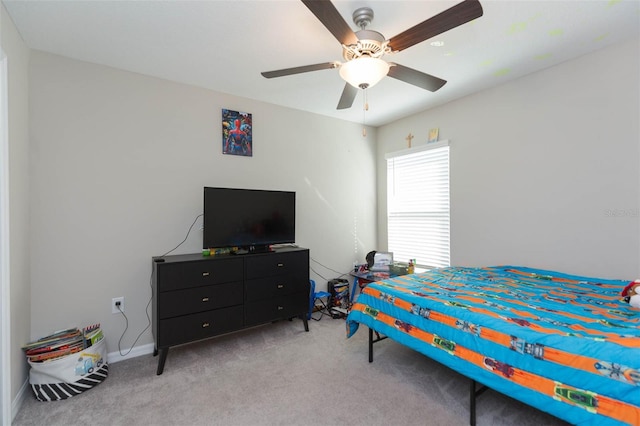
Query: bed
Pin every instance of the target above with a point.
(565, 344)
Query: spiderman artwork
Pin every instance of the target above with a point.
(236, 133)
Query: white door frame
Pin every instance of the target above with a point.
(5, 329)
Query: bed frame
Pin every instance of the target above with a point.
(474, 390)
(517, 342)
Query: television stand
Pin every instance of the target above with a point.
(196, 297)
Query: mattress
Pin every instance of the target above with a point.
(565, 344)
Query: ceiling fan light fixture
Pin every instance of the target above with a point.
(364, 72)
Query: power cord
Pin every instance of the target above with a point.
(185, 238)
(126, 327)
(342, 274)
(146, 310)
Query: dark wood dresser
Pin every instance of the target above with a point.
(196, 297)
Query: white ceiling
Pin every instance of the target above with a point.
(224, 45)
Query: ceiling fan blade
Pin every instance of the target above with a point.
(348, 96)
(329, 16)
(455, 16)
(417, 78)
(298, 70)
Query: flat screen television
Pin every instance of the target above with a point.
(250, 219)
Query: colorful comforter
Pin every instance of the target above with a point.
(565, 344)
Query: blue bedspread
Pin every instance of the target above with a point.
(562, 343)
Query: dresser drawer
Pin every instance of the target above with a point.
(175, 276)
(276, 308)
(187, 328)
(294, 263)
(199, 299)
(270, 287)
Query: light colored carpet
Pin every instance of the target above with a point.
(279, 375)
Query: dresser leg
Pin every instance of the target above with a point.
(161, 360)
(305, 322)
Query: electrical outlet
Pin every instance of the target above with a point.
(117, 302)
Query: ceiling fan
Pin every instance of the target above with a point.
(364, 49)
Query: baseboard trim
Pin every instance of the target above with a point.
(19, 399)
(113, 357)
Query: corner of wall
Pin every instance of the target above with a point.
(19, 400)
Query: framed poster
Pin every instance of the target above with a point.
(237, 131)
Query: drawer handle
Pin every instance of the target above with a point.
(280, 285)
(280, 308)
(205, 324)
(205, 299)
(205, 274)
(280, 265)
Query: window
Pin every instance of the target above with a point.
(418, 205)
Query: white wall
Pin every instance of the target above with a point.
(538, 163)
(118, 163)
(18, 135)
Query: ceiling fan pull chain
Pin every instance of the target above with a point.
(365, 108)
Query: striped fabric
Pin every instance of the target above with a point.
(58, 391)
(565, 344)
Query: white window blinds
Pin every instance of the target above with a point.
(418, 205)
